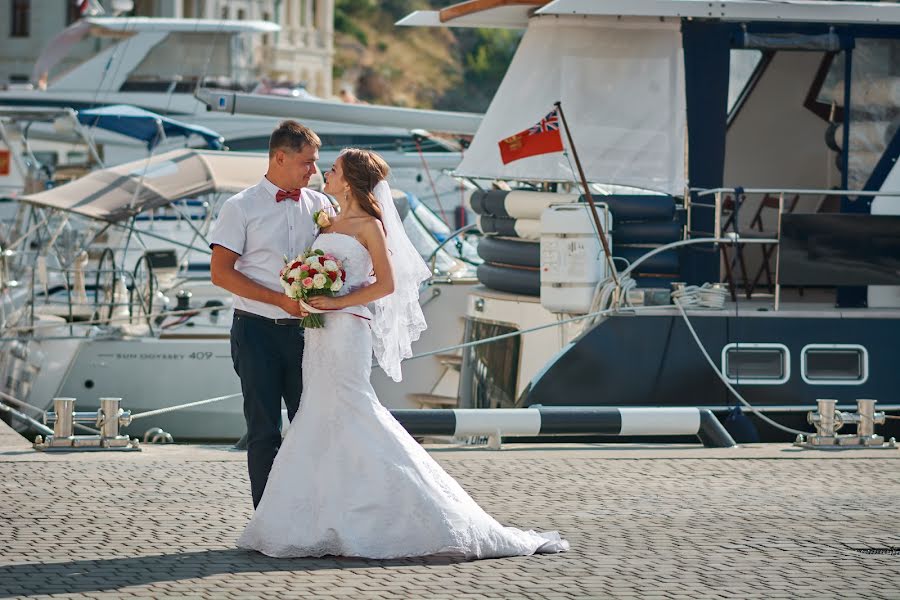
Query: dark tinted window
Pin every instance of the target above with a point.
(844, 364)
(754, 363)
(492, 369)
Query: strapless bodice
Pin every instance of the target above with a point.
(356, 259)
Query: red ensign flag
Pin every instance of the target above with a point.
(543, 138)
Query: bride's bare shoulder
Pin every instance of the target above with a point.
(372, 227)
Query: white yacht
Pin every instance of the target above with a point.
(744, 146)
(109, 295)
(157, 64)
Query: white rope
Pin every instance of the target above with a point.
(441, 351)
(721, 376)
(708, 295)
(162, 411)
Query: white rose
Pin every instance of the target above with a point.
(285, 286)
(296, 273)
(313, 260)
(319, 281)
(296, 288)
(330, 265)
(336, 286)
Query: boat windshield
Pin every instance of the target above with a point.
(177, 63)
(73, 51)
(185, 58)
(744, 65)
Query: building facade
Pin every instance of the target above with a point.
(300, 54)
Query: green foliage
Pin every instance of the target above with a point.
(482, 55)
(485, 55)
(356, 8)
(397, 9)
(344, 23)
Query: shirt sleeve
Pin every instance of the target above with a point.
(230, 229)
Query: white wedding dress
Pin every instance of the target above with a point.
(349, 480)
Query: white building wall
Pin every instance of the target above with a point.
(301, 53)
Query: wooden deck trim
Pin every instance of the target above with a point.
(473, 6)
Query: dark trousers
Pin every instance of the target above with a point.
(267, 357)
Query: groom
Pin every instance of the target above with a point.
(254, 231)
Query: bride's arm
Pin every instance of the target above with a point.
(373, 237)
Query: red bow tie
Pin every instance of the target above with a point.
(283, 195)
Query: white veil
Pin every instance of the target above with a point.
(398, 320)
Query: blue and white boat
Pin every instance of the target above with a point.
(771, 129)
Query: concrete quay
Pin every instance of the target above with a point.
(654, 522)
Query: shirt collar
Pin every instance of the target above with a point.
(271, 188)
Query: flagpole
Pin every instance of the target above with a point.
(587, 195)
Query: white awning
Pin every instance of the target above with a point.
(621, 85)
(800, 11)
(119, 192)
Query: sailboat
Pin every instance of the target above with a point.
(157, 64)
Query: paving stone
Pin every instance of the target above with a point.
(663, 523)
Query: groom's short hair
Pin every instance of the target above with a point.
(292, 136)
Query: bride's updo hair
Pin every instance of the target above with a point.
(363, 169)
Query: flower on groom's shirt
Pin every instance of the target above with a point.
(321, 218)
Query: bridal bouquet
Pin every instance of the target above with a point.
(313, 273)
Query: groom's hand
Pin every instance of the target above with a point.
(293, 308)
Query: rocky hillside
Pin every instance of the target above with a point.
(456, 69)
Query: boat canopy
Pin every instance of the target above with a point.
(119, 192)
(782, 11)
(515, 14)
(144, 125)
(622, 91)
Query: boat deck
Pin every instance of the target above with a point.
(644, 522)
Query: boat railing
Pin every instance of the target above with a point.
(113, 295)
(455, 235)
(731, 206)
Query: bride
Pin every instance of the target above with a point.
(348, 479)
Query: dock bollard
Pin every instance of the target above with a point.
(108, 418)
(63, 420)
(828, 420)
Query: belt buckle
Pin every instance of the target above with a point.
(286, 321)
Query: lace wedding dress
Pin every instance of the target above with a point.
(349, 480)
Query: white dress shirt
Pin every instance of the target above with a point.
(263, 231)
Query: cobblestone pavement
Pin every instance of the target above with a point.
(673, 523)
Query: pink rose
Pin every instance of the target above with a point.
(307, 283)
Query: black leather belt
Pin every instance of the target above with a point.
(250, 315)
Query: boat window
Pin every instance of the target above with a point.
(184, 58)
(81, 51)
(743, 69)
(756, 364)
(20, 24)
(835, 364)
(875, 75)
